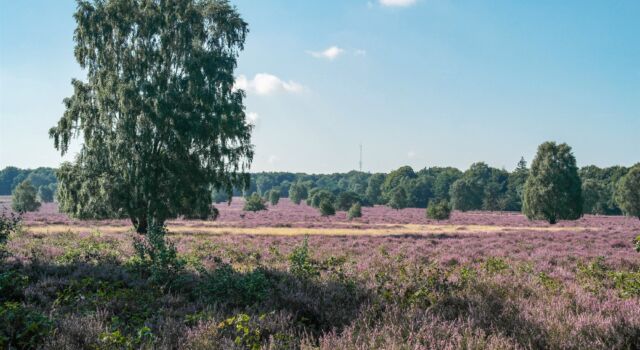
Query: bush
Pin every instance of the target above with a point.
(157, 257)
(254, 203)
(346, 200)
(637, 243)
(317, 196)
(300, 262)
(24, 198)
(8, 225)
(22, 327)
(628, 192)
(355, 211)
(326, 208)
(438, 211)
(240, 289)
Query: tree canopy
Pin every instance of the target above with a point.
(628, 192)
(553, 190)
(161, 121)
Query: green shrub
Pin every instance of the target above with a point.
(274, 196)
(157, 256)
(355, 211)
(254, 203)
(628, 283)
(22, 327)
(12, 285)
(247, 333)
(45, 193)
(91, 251)
(495, 265)
(24, 198)
(346, 200)
(300, 262)
(637, 243)
(438, 211)
(8, 225)
(326, 208)
(226, 285)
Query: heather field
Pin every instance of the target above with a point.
(287, 278)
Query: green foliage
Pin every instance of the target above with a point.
(494, 265)
(157, 256)
(8, 225)
(317, 196)
(595, 194)
(220, 196)
(628, 283)
(226, 285)
(161, 120)
(274, 196)
(90, 250)
(628, 192)
(22, 327)
(300, 262)
(326, 208)
(553, 190)
(373, 192)
(398, 199)
(24, 198)
(247, 333)
(438, 210)
(355, 211)
(116, 340)
(346, 200)
(297, 192)
(636, 242)
(12, 285)
(45, 193)
(465, 195)
(254, 203)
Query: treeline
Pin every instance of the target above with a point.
(42, 179)
(480, 187)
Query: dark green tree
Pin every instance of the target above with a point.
(297, 192)
(465, 195)
(274, 196)
(395, 179)
(161, 120)
(595, 194)
(440, 210)
(254, 203)
(373, 193)
(398, 199)
(628, 192)
(345, 200)
(326, 208)
(553, 190)
(355, 211)
(45, 193)
(24, 198)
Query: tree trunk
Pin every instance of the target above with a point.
(140, 224)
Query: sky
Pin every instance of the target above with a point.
(416, 82)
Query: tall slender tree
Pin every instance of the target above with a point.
(161, 121)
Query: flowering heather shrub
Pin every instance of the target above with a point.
(523, 285)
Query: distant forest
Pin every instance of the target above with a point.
(480, 187)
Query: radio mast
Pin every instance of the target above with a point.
(360, 157)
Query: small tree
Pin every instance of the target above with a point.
(24, 198)
(346, 200)
(465, 195)
(438, 210)
(553, 190)
(355, 211)
(45, 193)
(297, 192)
(274, 196)
(628, 192)
(398, 199)
(326, 208)
(254, 203)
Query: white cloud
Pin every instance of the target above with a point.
(397, 3)
(273, 158)
(331, 53)
(411, 154)
(266, 84)
(252, 117)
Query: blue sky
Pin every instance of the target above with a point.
(417, 82)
